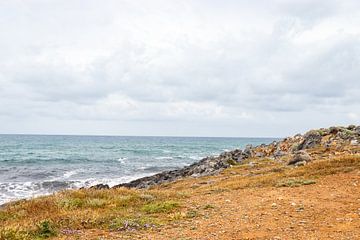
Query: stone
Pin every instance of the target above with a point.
(354, 142)
(311, 139)
(100, 186)
(248, 152)
(351, 127)
(260, 154)
(300, 156)
(279, 153)
(357, 130)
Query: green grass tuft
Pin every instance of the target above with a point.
(160, 207)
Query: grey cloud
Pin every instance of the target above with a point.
(232, 63)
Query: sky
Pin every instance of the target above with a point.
(231, 68)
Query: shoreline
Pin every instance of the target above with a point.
(272, 180)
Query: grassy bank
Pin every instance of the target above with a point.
(125, 212)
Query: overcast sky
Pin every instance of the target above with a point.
(179, 68)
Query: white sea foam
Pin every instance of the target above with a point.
(27, 190)
(164, 158)
(122, 160)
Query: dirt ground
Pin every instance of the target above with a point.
(329, 209)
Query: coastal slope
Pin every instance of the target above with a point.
(302, 187)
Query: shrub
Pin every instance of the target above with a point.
(45, 229)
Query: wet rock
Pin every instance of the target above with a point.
(100, 186)
(300, 156)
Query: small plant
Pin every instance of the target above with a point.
(127, 200)
(71, 203)
(96, 203)
(45, 229)
(147, 197)
(12, 234)
(208, 206)
(160, 207)
(294, 182)
(192, 214)
(4, 216)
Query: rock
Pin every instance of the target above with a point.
(357, 130)
(351, 127)
(354, 142)
(260, 154)
(301, 163)
(311, 139)
(100, 187)
(279, 153)
(333, 130)
(300, 156)
(205, 167)
(248, 151)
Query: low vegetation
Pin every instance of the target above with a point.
(123, 209)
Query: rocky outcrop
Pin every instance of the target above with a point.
(311, 139)
(294, 148)
(205, 167)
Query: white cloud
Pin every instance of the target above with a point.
(252, 66)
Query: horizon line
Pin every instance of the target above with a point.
(100, 135)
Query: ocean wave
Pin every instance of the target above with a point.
(123, 160)
(26, 190)
(164, 158)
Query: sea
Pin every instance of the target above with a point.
(34, 165)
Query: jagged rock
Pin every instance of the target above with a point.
(331, 138)
(205, 167)
(311, 139)
(351, 127)
(279, 153)
(333, 130)
(100, 186)
(260, 154)
(248, 152)
(300, 156)
(357, 130)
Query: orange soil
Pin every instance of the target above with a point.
(329, 209)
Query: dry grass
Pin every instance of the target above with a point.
(121, 210)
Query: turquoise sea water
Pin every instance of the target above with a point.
(32, 165)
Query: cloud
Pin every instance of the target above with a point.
(233, 63)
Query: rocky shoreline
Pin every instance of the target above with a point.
(293, 151)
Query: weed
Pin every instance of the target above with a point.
(208, 206)
(11, 234)
(96, 203)
(160, 207)
(71, 203)
(294, 182)
(192, 214)
(45, 229)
